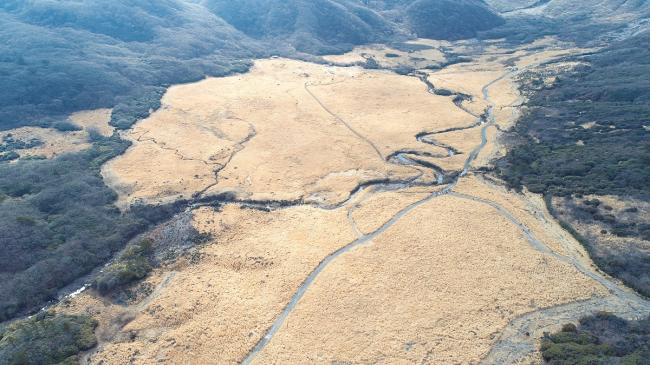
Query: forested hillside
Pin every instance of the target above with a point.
(57, 57)
(450, 19)
(589, 23)
(590, 135)
(318, 26)
(59, 223)
(62, 56)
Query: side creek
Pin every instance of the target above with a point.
(520, 337)
(516, 340)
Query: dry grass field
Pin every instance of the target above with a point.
(55, 142)
(384, 252)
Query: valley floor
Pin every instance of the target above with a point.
(358, 227)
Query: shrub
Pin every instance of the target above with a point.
(9, 143)
(600, 339)
(47, 338)
(371, 64)
(569, 327)
(66, 126)
(9, 156)
(133, 264)
(94, 135)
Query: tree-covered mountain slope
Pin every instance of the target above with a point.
(62, 56)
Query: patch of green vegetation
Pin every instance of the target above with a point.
(9, 143)
(371, 64)
(60, 222)
(586, 136)
(47, 338)
(132, 265)
(66, 126)
(126, 113)
(9, 156)
(612, 159)
(600, 339)
(33, 157)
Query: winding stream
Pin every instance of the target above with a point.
(405, 157)
(515, 341)
(519, 338)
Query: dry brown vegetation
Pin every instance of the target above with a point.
(437, 286)
(284, 112)
(55, 142)
(434, 294)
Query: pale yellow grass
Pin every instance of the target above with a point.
(149, 174)
(529, 209)
(291, 141)
(55, 142)
(97, 120)
(425, 292)
(538, 57)
(465, 78)
(504, 93)
(437, 287)
(392, 116)
(294, 147)
(216, 310)
(373, 212)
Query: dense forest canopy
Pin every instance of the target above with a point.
(62, 56)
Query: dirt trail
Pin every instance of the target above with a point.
(342, 121)
(109, 333)
(367, 239)
(520, 337)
